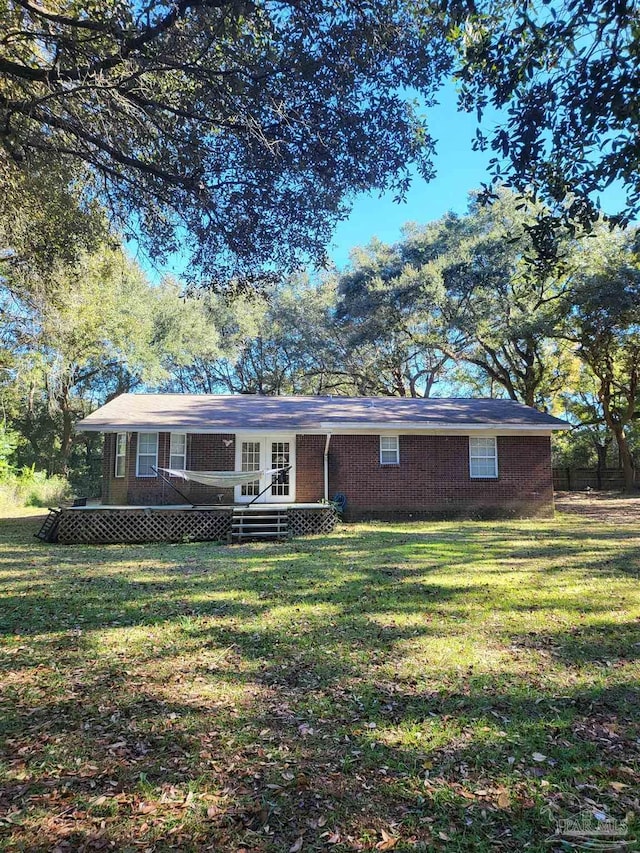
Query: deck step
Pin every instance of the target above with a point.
(259, 524)
(258, 534)
(252, 516)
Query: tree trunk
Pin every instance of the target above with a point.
(626, 459)
(616, 424)
(67, 440)
(601, 450)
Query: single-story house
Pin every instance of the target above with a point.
(391, 457)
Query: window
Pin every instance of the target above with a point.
(389, 450)
(147, 454)
(178, 451)
(483, 457)
(121, 453)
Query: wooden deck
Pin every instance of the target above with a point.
(90, 525)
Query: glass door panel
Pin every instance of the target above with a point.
(280, 458)
(250, 461)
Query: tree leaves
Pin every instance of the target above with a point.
(221, 121)
(565, 131)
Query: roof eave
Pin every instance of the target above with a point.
(326, 426)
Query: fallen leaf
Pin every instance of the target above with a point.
(297, 846)
(538, 756)
(388, 841)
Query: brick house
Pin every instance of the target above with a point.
(391, 457)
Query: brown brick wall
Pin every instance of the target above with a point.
(431, 480)
(204, 453)
(107, 467)
(309, 468)
(114, 489)
(433, 477)
(209, 453)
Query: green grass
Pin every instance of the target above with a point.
(452, 686)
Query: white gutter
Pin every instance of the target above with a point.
(326, 467)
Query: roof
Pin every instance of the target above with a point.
(252, 412)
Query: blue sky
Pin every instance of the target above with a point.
(459, 170)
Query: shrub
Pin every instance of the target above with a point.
(29, 487)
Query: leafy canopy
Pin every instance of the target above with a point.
(566, 76)
(98, 329)
(232, 131)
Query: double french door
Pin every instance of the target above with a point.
(263, 453)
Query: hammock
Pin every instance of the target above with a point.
(222, 478)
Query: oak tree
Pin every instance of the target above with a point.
(603, 320)
(232, 132)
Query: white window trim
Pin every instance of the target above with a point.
(138, 474)
(388, 450)
(118, 456)
(493, 476)
(184, 455)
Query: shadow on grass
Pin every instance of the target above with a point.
(272, 682)
(425, 762)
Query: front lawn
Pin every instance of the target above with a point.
(453, 686)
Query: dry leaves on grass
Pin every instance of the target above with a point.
(388, 841)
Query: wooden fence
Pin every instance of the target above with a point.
(578, 479)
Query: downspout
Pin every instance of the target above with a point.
(326, 467)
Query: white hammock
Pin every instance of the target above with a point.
(221, 478)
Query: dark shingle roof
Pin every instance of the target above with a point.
(223, 413)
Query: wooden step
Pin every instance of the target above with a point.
(259, 524)
(258, 534)
(253, 516)
(261, 511)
